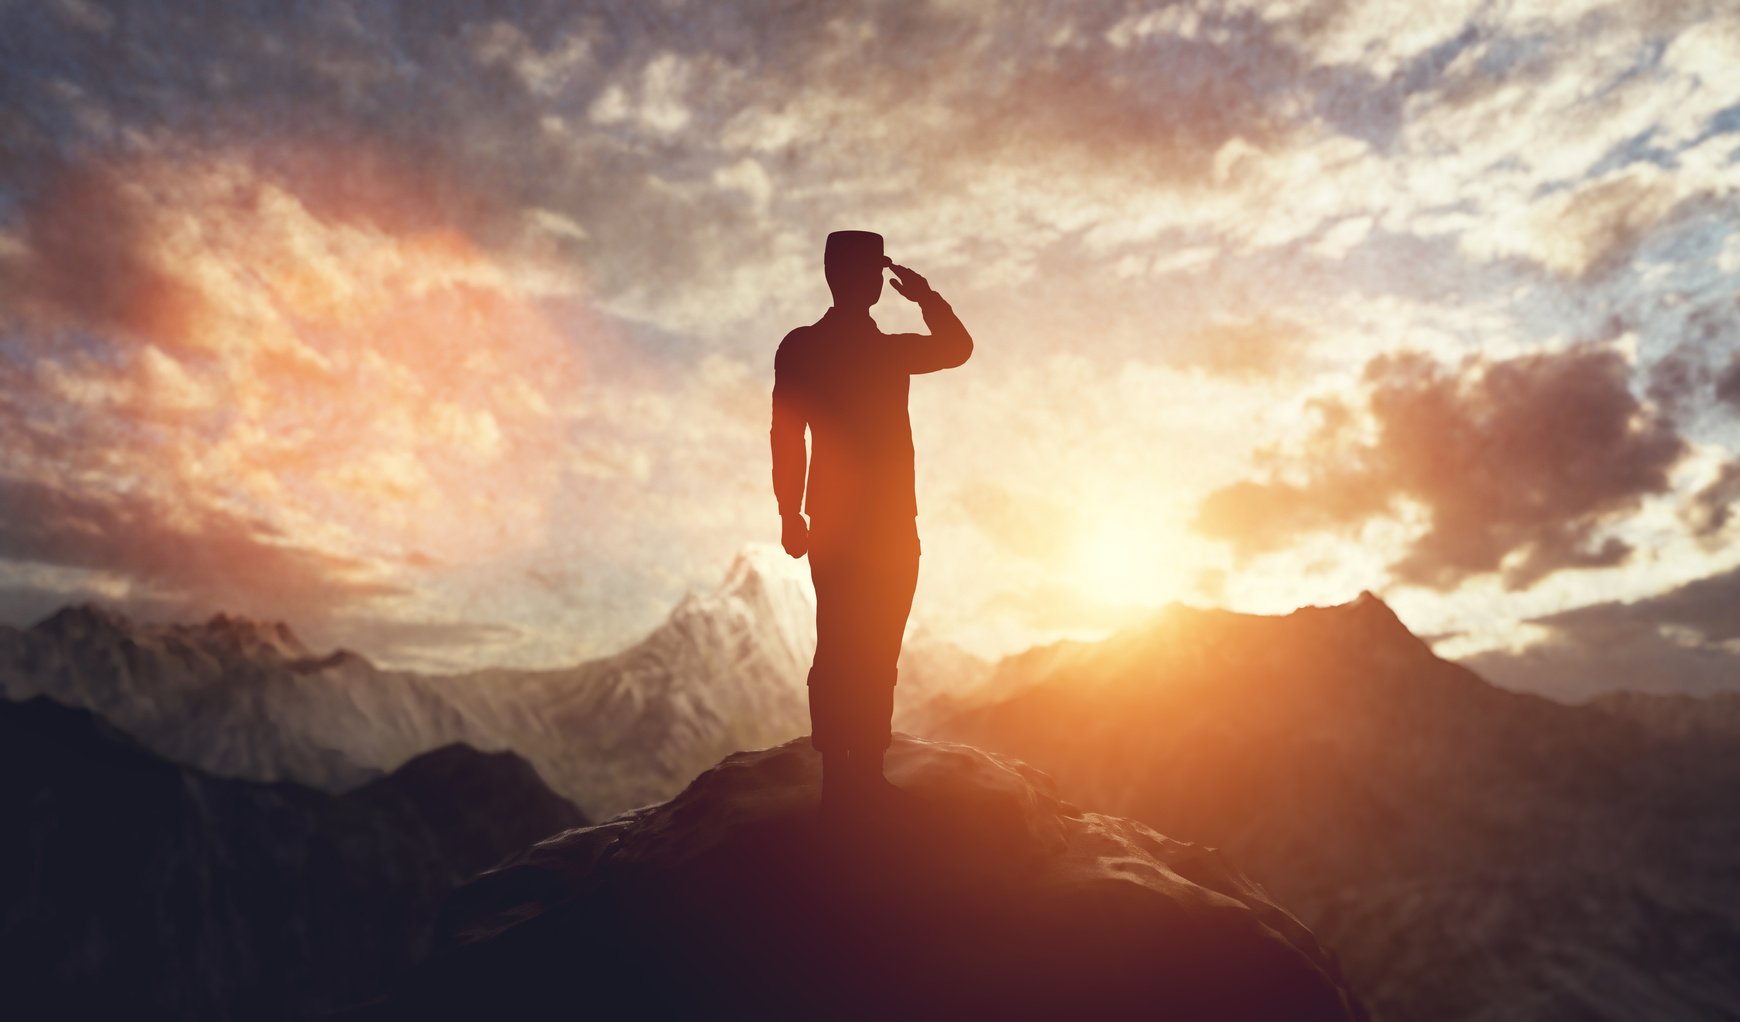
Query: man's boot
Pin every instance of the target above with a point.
(837, 781)
(869, 787)
(867, 767)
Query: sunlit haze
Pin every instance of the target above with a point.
(449, 337)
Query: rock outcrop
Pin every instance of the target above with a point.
(970, 891)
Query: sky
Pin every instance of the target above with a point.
(445, 332)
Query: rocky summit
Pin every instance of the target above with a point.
(968, 890)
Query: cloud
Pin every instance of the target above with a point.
(189, 558)
(1517, 466)
(1031, 525)
(1574, 134)
(1728, 384)
(1678, 380)
(1712, 507)
(417, 644)
(1686, 639)
(208, 354)
(84, 261)
(1371, 36)
(1060, 609)
(1262, 347)
(656, 103)
(1597, 225)
(228, 240)
(545, 71)
(1699, 374)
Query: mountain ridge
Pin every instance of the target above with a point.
(1389, 797)
(724, 670)
(1399, 803)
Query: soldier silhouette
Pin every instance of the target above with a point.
(847, 381)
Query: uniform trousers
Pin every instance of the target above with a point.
(865, 572)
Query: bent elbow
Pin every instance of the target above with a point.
(965, 350)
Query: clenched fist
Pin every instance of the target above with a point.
(794, 534)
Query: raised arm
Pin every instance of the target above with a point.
(790, 457)
(947, 345)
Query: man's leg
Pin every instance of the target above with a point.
(889, 571)
(832, 578)
(839, 653)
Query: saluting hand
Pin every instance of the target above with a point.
(909, 283)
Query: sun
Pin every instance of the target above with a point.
(1122, 563)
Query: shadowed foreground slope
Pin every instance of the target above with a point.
(974, 893)
(133, 887)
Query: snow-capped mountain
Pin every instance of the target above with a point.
(234, 697)
(245, 699)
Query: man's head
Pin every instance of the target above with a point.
(853, 262)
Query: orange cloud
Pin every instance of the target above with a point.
(359, 388)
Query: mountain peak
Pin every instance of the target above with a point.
(757, 564)
(248, 637)
(1370, 605)
(1366, 613)
(81, 620)
(233, 633)
(762, 582)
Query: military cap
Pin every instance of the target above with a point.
(855, 248)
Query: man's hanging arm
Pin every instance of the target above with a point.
(948, 344)
(790, 456)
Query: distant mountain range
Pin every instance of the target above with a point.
(246, 699)
(1470, 852)
(133, 887)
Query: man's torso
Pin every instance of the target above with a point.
(855, 401)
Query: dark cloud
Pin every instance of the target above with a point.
(21, 604)
(25, 604)
(1677, 381)
(1708, 608)
(483, 112)
(198, 559)
(1728, 384)
(1528, 458)
(86, 265)
(1712, 508)
(320, 95)
(1681, 640)
(1702, 363)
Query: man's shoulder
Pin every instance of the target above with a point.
(797, 335)
(798, 340)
